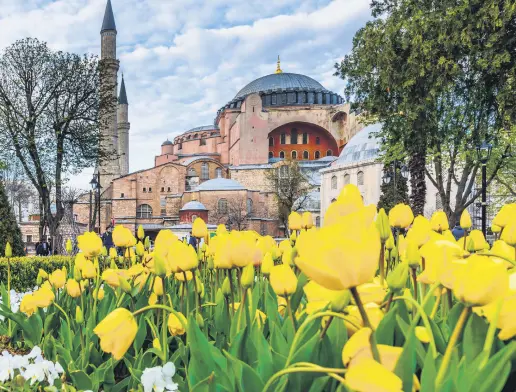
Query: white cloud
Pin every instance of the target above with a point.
(184, 59)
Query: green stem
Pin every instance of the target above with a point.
(158, 306)
(230, 276)
(242, 310)
(64, 313)
(309, 369)
(414, 280)
(197, 294)
(451, 344)
(436, 304)
(488, 344)
(367, 323)
(326, 326)
(291, 315)
(9, 292)
(381, 263)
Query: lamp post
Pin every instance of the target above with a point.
(95, 187)
(483, 154)
(394, 166)
(93, 183)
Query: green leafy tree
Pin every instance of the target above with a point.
(395, 191)
(9, 230)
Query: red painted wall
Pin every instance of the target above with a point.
(326, 141)
(186, 216)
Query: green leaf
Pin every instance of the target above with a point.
(122, 385)
(271, 307)
(295, 300)
(338, 335)
(319, 384)
(81, 380)
(141, 334)
(278, 342)
(420, 350)
(493, 376)
(246, 378)
(429, 373)
(474, 336)
(454, 315)
(66, 335)
(406, 364)
(206, 385)
(385, 331)
(264, 365)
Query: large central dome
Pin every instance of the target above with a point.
(280, 81)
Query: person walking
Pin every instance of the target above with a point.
(107, 238)
(458, 232)
(193, 241)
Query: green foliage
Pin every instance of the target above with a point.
(9, 230)
(395, 191)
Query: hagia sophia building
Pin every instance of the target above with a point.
(217, 171)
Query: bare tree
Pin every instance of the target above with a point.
(234, 212)
(49, 117)
(20, 192)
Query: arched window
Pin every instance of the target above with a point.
(271, 141)
(329, 153)
(283, 138)
(317, 140)
(334, 182)
(318, 221)
(346, 179)
(205, 173)
(191, 172)
(294, 154)
(202, 142)
(249, 206)
(222, 206)
(144, 190)
(317, 155)
(218, 172)
(305, 138)
(281, 154)
(360, 178)
(293, 136)
(180, 146)
(144, 211)
(305, 155)
(271, 154)
(333, 200)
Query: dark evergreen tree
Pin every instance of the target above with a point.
(395, 191)
(9, 230)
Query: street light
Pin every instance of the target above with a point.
(483, 154)
(394, 167)
(95, 187)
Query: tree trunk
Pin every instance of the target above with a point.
(417, 167)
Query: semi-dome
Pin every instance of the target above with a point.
(220, 184)
(280, 81)
(193, 205)
(364, 146)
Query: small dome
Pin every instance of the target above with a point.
(193, 205)
(167, 143)
(311, 202)
(220, 184)
(280, 81)
(364, 146)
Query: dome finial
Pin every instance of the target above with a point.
(278, 68)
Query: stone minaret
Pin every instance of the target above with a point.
(123, 129)
(109, 65)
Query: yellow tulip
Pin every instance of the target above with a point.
(503, 253)
(99, 294)
(369, 375)
(117, 332)
(465, 220)
(439, 221)
(112, 253)
(267, 264)
(287, 256)
(187, 259)
(475, 241)
(221, 229)
(372, 292)
(177, 324)
(43, 297)
(27, 305)
(348, 202)
(69, 246)
(420, 232)
(135, 270)
(153, 298)
(42, 275)
(506, 318)
(506, 215)
(181, 277)
(422, 334)
(509, 233)
(439, 255)
(158, 286)
(199, 228)
(307, 221)
(140, 249)
(110, 277)
(88, 270)
(73, 288)
(480, 281)
(382, 224)
(123, 237)
(79, 316)
(495, 229)
(294, 221)
(374, 313)
(319, 297)
(58, 279)
(397, 279)
(247, 278)
(140, 233)
(412, 255)
(124, 284)
(401, 216)
(90, 244)
(283, 280)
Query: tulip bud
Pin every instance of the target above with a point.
(146, 243)
(112, 253)
(247, 276)
(382, 223)
(69, 246)
(8, 250)
(155, 343)
(140, 249)
(293, 238)
(211, 265)
(158, 286)
(470, 246)
(113, 265)
(339, 302)
(389, 244)
(19, 381)
(79, 317)
(226, 287)
(199, 320)
(267, 264)
(199, 228)
(202, 248)
(465, 220)
(140, 233)
(98, 294)
(103, 251)
(294, 221)
(495, 229)
(397, 279)
(159, 265)
(412, 254)
(509, 234)
(307, 221)
(153, 298)
(124, 285)
(77, 275)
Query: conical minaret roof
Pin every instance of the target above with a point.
(122, 98)
(109, 19)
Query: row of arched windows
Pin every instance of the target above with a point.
(205, 172)
(305, 154)
(346, 180)
(293, 138)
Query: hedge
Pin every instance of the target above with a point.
(24, 270)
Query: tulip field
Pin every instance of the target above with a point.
(368, 302)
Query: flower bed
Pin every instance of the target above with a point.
(347, 307)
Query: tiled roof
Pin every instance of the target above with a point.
(109, 19)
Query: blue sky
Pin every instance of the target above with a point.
(184, 59)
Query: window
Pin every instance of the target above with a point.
(360, 178)
(222, 206)
(218, 172)
(333, 200)
(271, 154)
(150, 189)
(202, 142)
(281, 154)
(293, 136)
(29, 238)
(317, 140)
(317, 155)
(205, 174)
(162, 189)
(346, 179)
(334, 182)
(294, 154)
(271, 141)
(318, 221)
(305, 138)
(144, 211)
(180, 146)
(163, 205)
(283, 138)
(122, 195)
(305, 155)
(145, 190)
(192, 172)
(249, 206)
(329, 153)
(263, 228)
(168, 189)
